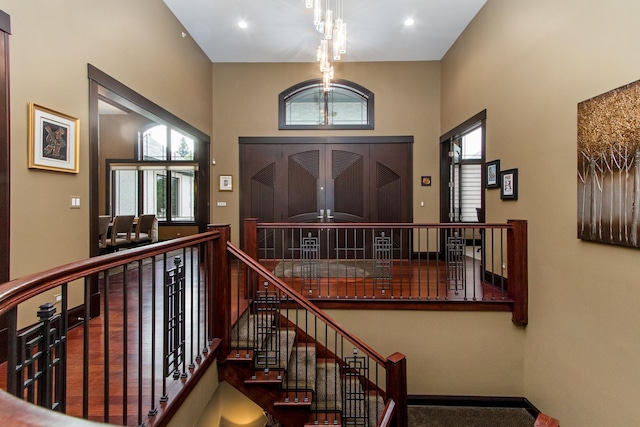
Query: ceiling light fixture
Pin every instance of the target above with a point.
(243, 24)
(409, 22)
(328, 20)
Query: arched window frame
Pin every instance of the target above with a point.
(315, 85)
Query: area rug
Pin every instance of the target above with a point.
(327, 268)
(451, 416)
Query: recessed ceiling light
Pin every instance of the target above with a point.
(243, 24)
(409, 22)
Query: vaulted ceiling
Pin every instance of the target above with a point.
(283, 31)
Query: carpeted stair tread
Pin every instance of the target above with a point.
(301, 374)
(360, 409)
(275, 350)
(328, 387)
(248, 329)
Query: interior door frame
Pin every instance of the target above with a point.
(5, 147)
(5, 170)
(445, 142)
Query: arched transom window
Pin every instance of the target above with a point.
(307, 105)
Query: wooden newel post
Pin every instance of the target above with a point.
(518, 271)
(397, 387)
(220, 302)
(251, 249)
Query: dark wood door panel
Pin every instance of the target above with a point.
(391, 189)
(347, 183)
(303, 195)
(260, 166)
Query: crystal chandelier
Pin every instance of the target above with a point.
(328, 20)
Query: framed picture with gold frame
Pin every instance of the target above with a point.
(54, 140)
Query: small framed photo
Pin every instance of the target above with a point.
(54, 139)
(509, 187)
(426, 181)
(492, 174)
(226, 183)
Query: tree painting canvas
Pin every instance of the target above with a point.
(609, 167)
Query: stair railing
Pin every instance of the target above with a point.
(315, 363)
(132, 350)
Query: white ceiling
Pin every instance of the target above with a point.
(283, 31)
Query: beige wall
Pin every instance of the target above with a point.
(245, 103)
(448, 353)
(230, 408)
(199, 402)
(529, 64)
(138, 43)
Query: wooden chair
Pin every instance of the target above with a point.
(546, 421)
(144, 228)
(121, 232)
(103, 230)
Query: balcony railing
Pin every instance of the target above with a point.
(135, 347)
(472, 266)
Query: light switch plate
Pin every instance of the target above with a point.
(75, 202)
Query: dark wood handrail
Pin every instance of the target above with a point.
(306, 304)
(19, 290)
(373, 225)
(387, 414)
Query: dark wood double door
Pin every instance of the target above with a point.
(326, 179)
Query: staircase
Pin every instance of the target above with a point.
(295, 378)
(295, 362)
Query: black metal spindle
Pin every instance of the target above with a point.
(60, 381)
(154, 410)
(140, 340)
(502, 263)
(165, 344)
(183, 316)
(107, 352)
(85, 343)
(200, 300)
(191, 312)
(208, 286)
(125, 342)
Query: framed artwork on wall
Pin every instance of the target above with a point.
(53, 140)
(492, 174)
(426, 181)
(226, 183)
(607, 173)
(509, 184)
